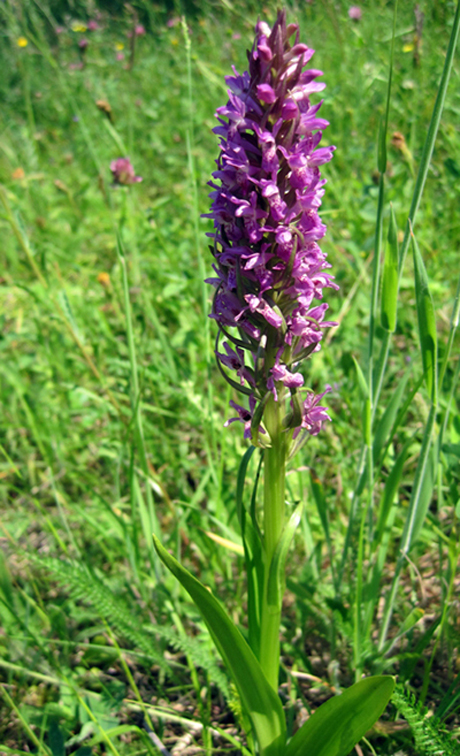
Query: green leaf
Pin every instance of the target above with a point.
(412, 618)
(387, 421)
(321, 505)
(260, 701)
(389, 303)
(276, 579)
(426, 322)
(336, 727)
(425, 494)
(361, 379)
(253, 557)
(391, 487)
(56, 739)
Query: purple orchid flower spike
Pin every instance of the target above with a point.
(270, 269)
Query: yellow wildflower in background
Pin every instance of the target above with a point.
(119, 46)
(22, 42)
(104, 279)
(77, 26)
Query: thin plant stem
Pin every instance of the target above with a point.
(428, 147)
(274, 507)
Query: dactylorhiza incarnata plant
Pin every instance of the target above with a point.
(269, 283)
(271, 272)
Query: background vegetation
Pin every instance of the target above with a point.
(112, 408)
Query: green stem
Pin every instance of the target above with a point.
(274, 500)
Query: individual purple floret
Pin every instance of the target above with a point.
(269, 269)
(123, 172)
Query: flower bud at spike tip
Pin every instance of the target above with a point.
(270, 272)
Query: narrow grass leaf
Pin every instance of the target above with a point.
(418, 495)
(418, 504)
(252, 555)
(276, 579)
(428, 147)
(341, 722)
(260, 701)
(240, 511)
(426, 322)
(361, 379)
(381, 541)
(385, 427)
(454, 320)
(412, 618)
(321, 505)
(426, 492)
(389, 301)
(390, 490)
(225, 542)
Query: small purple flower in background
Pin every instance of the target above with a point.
(139, 31)
(123, 172)
(173, 22)
(93, 25)
(269, 269)
(355, 13)
(83, 44)
(120, 56)
(60, 29)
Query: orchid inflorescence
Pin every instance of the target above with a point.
(270, 270)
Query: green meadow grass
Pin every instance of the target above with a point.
(112, 408)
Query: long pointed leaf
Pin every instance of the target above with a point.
(428, 147)
(386, 423)
(389, 304)
(426, 322)
(253, 556)
(336, 727)
(260, 701)
(276, 579)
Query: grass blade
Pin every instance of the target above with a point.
(428, 147)
(386, 427)
(389, 302)
(419, 500)
(426, 322)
